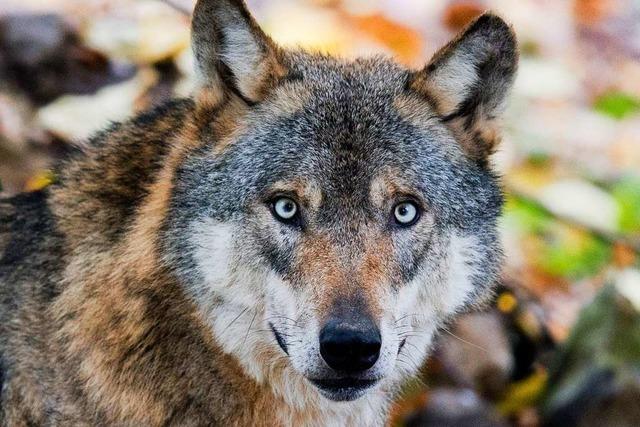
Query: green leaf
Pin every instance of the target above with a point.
(528, 216)
(617, 105)
(557, 248)
(627, 194)
(573, 253)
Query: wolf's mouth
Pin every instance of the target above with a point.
(343, 389)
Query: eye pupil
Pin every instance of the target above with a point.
(284, 209)
(406, 213)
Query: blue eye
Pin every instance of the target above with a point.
(406, 213)
(285, 209)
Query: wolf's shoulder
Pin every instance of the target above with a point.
(101, 185)
(23, 219)
(30, 251)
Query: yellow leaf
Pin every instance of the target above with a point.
(523, 394)
(507, 302)
(39, 181)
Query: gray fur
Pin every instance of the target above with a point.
(136, 290)
(349, 133)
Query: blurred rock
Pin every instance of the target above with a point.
(16, 171)
(16, 115)
(24, 146)
(583, 203)
(75, 118)
(43, 56)
(145, 33)
(164, 88)
(595, 380)
(610, 24)
(185, 85)
(455, 408)
(628, 284)
(546, 80)
(34, 39)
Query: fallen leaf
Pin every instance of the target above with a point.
(459, 14)
(405, 42)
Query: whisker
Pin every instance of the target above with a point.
(234, 320)
(465, 341)
(412, 345)
(255, 313)
(408, 360)
(408, 315)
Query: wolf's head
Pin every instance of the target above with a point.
(337, 212)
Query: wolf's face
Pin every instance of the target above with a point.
(338, 212)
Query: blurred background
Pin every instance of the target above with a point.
(560, 345)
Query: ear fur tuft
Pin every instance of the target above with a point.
(468, 80)
(232, 52)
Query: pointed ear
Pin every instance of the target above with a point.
(468, 81)
(232, 52)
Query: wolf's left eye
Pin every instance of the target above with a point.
(285, 209)
(406, 213)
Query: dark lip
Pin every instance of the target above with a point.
(343, 389)
(281, 342)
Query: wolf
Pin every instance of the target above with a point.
(279, 248)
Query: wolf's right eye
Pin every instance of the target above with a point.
(285, 209)
(406, 214)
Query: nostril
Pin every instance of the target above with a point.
(349, 349)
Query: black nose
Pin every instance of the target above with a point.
(350, 347)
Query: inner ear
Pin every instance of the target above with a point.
(468, 81)
(232, 52)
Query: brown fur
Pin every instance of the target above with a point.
(97, 329)
(127, 346)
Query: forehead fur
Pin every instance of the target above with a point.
(341, 125)
(377, 73)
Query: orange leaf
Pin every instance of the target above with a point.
(405, 42)
(458, 15)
